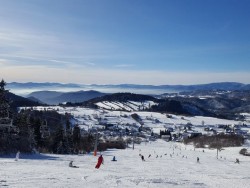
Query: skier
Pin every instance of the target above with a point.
(114, 159)
(17, 155)
(99, 162)
(71, 165)
(198, 160)
(237, 161)
(142, 158)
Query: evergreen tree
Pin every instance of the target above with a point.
(69, 137)
(26, 137)
(61, 142)
(58, 140)
(7, 143)
(76, 138)
(37, 133)
(4, 103)
(68, 127)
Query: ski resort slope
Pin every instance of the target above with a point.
(180, 170)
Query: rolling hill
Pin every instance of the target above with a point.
(54, 97)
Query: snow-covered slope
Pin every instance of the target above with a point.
(155, 121)
(180, 170)
(125, 106)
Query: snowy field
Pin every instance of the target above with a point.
(87, 118)
(180, 170)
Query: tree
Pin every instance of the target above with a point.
(58, 140)
(4, 103)
(68, 137)
(76, 137)
(37, 133)
(68, 127)
(26, 132)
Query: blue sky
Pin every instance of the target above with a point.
(125, 41)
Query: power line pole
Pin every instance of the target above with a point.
(133, 141)
(95, 148)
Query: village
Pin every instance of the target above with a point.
(142, 126)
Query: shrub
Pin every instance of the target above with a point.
(136, 117)
(243, 151)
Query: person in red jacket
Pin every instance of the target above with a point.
(99, 162)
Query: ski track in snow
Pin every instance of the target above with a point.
(129, 170)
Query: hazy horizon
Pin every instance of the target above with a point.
(25, 90)
(84, 84)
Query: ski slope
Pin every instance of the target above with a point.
(125, 106)
(180, 170)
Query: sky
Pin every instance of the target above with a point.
(125, 41)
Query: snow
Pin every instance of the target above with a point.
(180, 170)
(155, 121)
(247, 116)
(126, 106)
(49, 170)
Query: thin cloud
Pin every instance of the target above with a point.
(3, 61)
(90, 63)
(60, 61)
(124, 65)
(8, 62)
(72, 64)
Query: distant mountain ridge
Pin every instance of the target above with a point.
(54, 97)
(18, 101)
(137, 102)
(177, 88)
(43, 84)
(210, 86)
(222, 104)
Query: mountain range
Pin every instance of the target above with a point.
(54, 97)
(18, 101)
(227, 99)
(37, 85)
(228, 105)
(129, 87)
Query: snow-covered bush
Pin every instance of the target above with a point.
(244, 151)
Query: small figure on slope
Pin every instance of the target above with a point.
(114, 159)
(71, 165)
(142, 158)
(17, 155)
(99, 162)
(198, 160)
(237, 161)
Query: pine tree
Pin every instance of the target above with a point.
(37, 134)
(69, 137)
(61, 141)
(7, 144)
(4, 103)
(76, 138)
(58, 140)
(26, 137)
